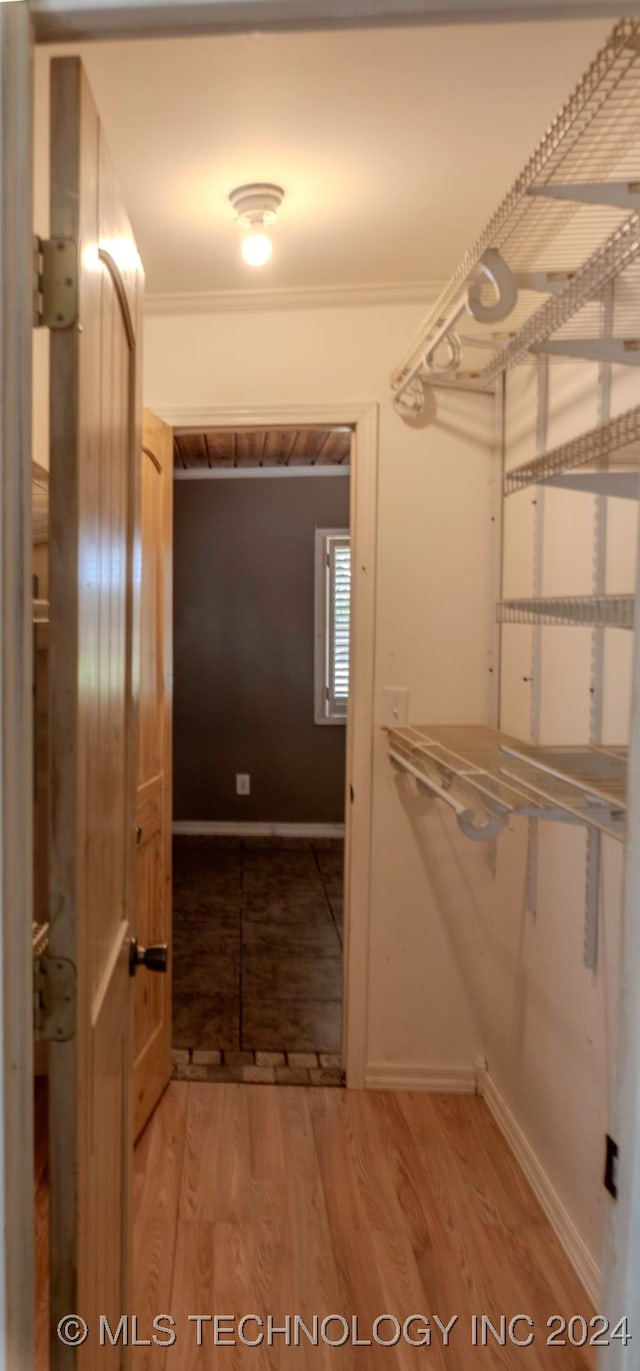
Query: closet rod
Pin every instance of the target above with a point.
(483, 832)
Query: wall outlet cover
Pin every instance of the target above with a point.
(395, 706)
(243, 783)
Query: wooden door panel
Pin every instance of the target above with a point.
(153, 806)
(110, 1132)
(150, 737)
(93, 683)
(107, 715)
(117, 241)
(150, 990)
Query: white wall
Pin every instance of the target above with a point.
(553, 1060)
(433, 625)
(551, 1056)
(546, 1023)
(434, 608)
(459, 966)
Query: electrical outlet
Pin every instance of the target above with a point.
(243, 783)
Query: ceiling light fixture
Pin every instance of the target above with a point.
(256, 207)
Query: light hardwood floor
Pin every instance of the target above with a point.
(281, 1200)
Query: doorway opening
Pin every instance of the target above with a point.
(262, 582)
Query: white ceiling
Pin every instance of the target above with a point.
(393, 145)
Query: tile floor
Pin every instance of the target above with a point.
(257, 957)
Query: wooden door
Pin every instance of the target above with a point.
(95, 441)
(153, 796)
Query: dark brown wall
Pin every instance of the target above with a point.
(243, 640)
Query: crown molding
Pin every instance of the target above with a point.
(66, 21)
(259, 473)
(362, 413)
(307, 297)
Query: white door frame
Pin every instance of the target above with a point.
(359, 768)
(621, 1265)
(16, 719)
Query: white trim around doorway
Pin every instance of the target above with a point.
(257, 473)
(60, 21)
(363, 419)
(17, 1294)
(231, 828)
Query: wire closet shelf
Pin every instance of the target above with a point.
(604, 461)
(579, 611)
(487, 778)
(568, 226)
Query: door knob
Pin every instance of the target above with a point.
(155, 957)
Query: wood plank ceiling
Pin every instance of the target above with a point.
(262, 447)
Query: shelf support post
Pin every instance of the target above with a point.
(542, 412)
(594, 840)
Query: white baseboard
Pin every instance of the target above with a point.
(203, 828)
(443, 1080)
(583, 1263)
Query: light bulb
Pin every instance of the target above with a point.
(256, 248)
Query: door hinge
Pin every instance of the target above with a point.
(55, 282)
(54, 998)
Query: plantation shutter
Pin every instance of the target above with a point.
(339, 586)
(332, 624)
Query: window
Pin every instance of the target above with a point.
(333, 612)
